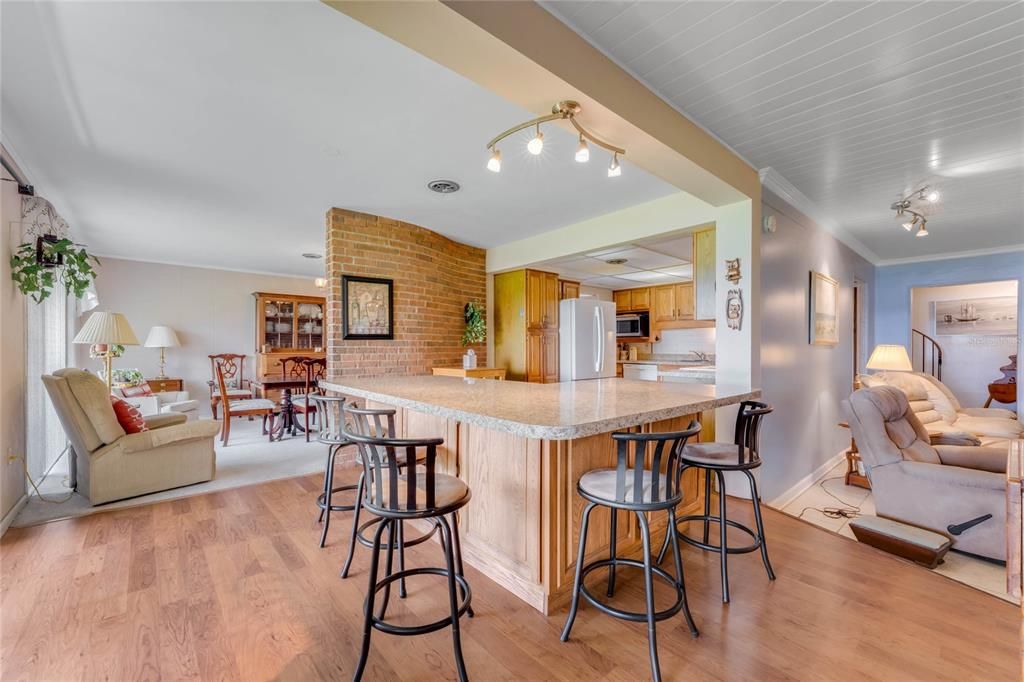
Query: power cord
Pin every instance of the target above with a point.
(39, 494)
(847, 511)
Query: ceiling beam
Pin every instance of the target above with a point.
(523, 53)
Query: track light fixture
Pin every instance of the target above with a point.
(566, 110)
(919, 199)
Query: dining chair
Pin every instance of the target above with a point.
(315, 368)
(243, 407)
(233, 367)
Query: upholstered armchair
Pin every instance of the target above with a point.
(110, 464)
(959, 491)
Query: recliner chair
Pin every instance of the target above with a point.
(956, 490)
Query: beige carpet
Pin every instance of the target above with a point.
(980, 574)
(248, 459)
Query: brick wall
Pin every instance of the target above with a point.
(434, 279)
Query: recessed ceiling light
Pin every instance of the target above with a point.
(617, 261)
(313, 256)
(443, 186)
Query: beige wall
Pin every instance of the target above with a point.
(12, 356)
(212, 311)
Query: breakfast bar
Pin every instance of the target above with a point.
(522, 447)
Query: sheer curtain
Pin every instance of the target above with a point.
(46, 350)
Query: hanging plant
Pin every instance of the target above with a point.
(37, 268)
(476, 326)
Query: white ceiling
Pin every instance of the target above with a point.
(852, 102)
(657, 260)
(219, 134)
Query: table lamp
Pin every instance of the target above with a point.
(105, 329)
(162, 338)
(890, 358)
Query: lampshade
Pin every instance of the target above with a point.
(893, 358)
(107, 328)
(162, 337)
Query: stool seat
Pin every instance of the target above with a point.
(448, 491)
(717, 454)
(601, 484)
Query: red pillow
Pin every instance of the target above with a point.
(136, 391)
(128, 416)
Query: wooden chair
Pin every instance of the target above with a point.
(315, 368)
(233, 367)
(243, 407)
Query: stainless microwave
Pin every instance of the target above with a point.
(633, 325)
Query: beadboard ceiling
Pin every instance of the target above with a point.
(851, 102)
(219, 134)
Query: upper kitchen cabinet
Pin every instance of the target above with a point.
(526, 324)
(628, 300)
(568, 289)
(704, 274)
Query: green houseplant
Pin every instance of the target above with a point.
(476, 326)
(37, 268)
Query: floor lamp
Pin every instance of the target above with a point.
(106, 330)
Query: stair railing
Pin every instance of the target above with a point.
(930, 356)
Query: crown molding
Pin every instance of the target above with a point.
(950, 256)
(774, 182)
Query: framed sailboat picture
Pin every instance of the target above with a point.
(993, 316)
(824, 306)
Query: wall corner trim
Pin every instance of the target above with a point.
(775, 183)
(8, 519)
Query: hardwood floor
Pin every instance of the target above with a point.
(231, 586)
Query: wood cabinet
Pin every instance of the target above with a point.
(290, 323)
(568, 289)
(673, 308)
(704, 274)
(161, 385)
(632, 299)
(526, 324)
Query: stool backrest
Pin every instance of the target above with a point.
(331, 412)
(632, 460)
(392, 479)
(748, 426)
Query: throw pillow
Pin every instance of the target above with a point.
(128, 416)
(136, 391)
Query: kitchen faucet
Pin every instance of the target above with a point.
(703, 357)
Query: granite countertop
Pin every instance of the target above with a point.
(561, 411)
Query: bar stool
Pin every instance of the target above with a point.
(741, 455)
(332, 421)
(631, 487)
(378, 423)
(398, 493)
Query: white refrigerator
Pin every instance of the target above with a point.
(586, 339)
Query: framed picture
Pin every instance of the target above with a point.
(823, 310)
(367, 308)
(994, 316)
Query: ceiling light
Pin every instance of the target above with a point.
(932, 196)
(582, 151)
(563, 111)
(909, 225)
(536, 145)
(494, 164)
(922, 231)
(320, 282)
(920, 199)
(614, 169)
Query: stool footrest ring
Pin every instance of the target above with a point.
(637, 616)
(322, 503)
(384, 545)
(715, 548)
(404, 630)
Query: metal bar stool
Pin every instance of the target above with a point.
(333, 420)
(378, 423)
(632, 487)
(741, 455)
(398, 493)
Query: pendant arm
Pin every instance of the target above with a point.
(528, 124)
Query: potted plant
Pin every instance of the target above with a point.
(37, 268)
(476, 326)
(126, 377)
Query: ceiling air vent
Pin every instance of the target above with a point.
(616, 261)
(443, 186)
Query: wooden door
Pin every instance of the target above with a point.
(640, 299)
(550, 347)
(664, 309)
(550, 294)
(622, 300)
(535, 309)
(535, 356)
(684, 301)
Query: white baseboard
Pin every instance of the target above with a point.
(8, 519)
(807, 481)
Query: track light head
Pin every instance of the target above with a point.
(614, 169)
(494, 163)
(582, 151)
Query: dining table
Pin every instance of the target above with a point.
(288, 423)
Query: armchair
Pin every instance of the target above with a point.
(163, 402)
(958, 491)
(112, 465)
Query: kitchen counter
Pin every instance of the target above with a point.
(561, 411)
(522, 448)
